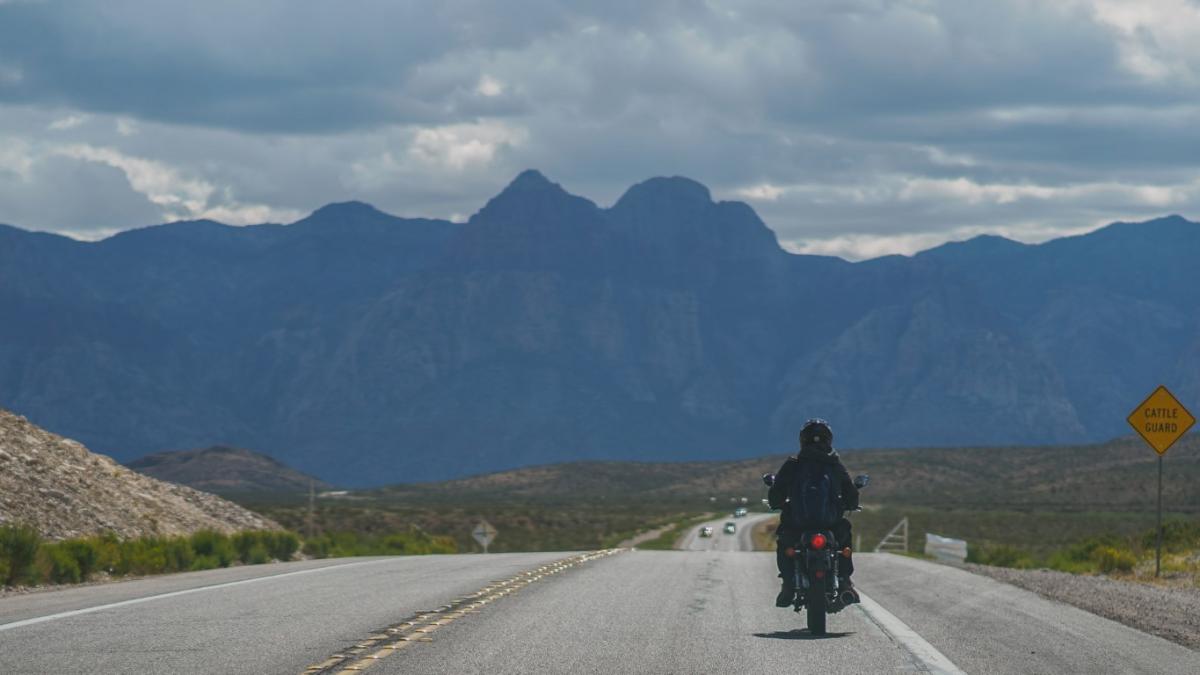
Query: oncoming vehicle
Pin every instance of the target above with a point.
(730, 528)
(739, 512)
(706, 531)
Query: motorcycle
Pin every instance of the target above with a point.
(816, 555)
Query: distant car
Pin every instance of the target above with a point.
(740, 512)
(730, 528)
(706, 531)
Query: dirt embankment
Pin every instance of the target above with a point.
(57, 486)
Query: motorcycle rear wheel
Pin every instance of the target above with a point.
(815, 600)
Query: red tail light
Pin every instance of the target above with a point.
(820, 574)
(817, 542)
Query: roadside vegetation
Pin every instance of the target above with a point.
(28, 560)
(1131, 556)
(522, 525)
(1111, 543)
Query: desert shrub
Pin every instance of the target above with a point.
(263, 546)
(215, 545)
(343, 544)
(85, 553)
(178, 554)
(205, 562)
(56, 565)
(18, 551)
(1178, 536)
(142, 556)
(108, 552)
(1110, 559)
(317, 547)
(999, 555)
(282, 545)
(1085, 557)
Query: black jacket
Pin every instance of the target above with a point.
(847, 492)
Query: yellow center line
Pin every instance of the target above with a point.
(401, 634)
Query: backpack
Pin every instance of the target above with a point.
(813, 496)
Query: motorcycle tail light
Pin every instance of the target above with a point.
(820, 574)
(817, 542)
(789, 552)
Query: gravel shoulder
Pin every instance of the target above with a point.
(1170, 613)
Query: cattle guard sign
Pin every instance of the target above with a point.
(1160, 420)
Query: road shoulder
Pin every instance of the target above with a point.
(1170, 613)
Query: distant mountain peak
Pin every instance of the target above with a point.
(346, 209)
(531, 180)
(984, 244)
(225, 469)
(672, 191)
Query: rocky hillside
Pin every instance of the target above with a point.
(371, 349)
(227, 471)
(60, 488)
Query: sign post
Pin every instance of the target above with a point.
(1160, 420)
(484, 533)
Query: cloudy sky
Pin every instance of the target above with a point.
(854, 127)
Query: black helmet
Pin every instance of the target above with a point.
(816, 431)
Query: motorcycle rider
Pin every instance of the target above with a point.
(816, 445)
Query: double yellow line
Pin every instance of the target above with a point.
(417, 628)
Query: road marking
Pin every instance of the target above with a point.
(926, 654)
(417, 628)
(173, 594)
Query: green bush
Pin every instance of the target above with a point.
(85, 552)
(178, 554)
(215, 545)
(204, 562)
(343, 544)
(56, 565)
(1091, 555)
(283, 545)
(999, 555)
(1109, 559)
(1178, 536)
(18, 551)
(24, 558)
(263, 546)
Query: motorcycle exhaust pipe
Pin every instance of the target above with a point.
(848, 597)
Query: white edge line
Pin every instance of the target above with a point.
(172, 594)
(914, 644)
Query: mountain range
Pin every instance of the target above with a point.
(226, 471)
(368, 349)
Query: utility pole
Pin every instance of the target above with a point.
(312, 507)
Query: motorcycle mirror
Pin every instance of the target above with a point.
(768, 479)
(861, 480)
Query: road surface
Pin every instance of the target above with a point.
(707, 611)
(719, 541)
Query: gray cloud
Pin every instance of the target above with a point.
(854, 127)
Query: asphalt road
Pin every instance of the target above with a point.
(719, 541)
(707, 611)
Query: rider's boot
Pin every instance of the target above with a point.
(846, 591)
(786, 595)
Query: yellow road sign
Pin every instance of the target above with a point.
(1161, 420)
